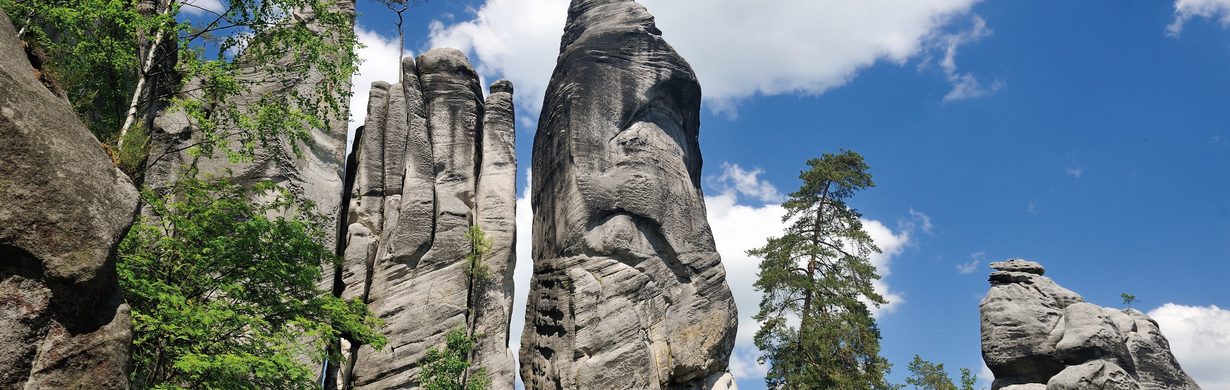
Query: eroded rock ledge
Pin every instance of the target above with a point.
(1038, 335)
(432, 159)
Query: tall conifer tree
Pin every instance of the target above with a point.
(817, 331)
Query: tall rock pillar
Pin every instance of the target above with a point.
(432, 160)
(628, 290)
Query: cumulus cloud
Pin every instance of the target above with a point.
(739, 48)
(745, 182)
(1186, 10)
(1200, 339)
(380, 63)
(975, 259)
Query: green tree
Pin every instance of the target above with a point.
(449, 368)
(925, 375)
(1128, 299)
(90, 51)
(818, 273)
(225, 296)
(967, 379)
(131, 43)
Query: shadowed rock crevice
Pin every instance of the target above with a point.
(433, 159)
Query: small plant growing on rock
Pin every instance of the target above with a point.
(1128, 299)
(447, 368)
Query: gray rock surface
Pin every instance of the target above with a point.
(1036, 333)
(628, 290)
(64, 209)
(432, 159)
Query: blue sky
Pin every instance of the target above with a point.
(1092, 136)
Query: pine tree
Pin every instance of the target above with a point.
(818, 275)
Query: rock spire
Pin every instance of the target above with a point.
(432, 160)
(628, 290)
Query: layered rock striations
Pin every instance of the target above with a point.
(432, 160)
(1039, 335)
(65, 208)
(628, 290)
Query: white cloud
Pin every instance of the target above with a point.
(739, 48)
(739, 227)
(964, 85)
(513, 39)
(1186, 10)
(746, 183)
(1200, 339)
(380, 63)
(985, 376)
(523, 272)
(1075, 171)
(920, 221)
(975, 259)
(202, 7)
(1032, 208)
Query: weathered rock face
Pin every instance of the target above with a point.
(1036, 334)
(315, 174)
(628, 290)
(432, 160)
(63, 322)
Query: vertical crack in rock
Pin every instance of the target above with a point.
(434, 158)
(65, 208)
(628, 289)
(1036, 334)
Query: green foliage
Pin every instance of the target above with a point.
(480, 245)
(818, 272)
(446, 369)
(1128, 299)
(967, 379)
(92, 50)
(225, 296)
(93, 45)
(130, 155)
(925, 375)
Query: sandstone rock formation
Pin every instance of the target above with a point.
(628, 290)
(315, 174)
(63, 322)
(1038, 335)
(431, 160)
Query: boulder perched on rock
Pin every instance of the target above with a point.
(64, 209)
(628, 290)
(432, 160)
(1036, 334)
